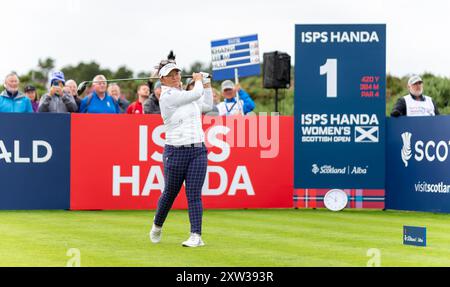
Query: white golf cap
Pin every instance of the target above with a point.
(167, 69)
(414, 79)
(227, 85)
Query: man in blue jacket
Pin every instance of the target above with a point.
(99, 102)
(230, 106)
(11, 100)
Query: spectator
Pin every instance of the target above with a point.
(99, 101)
(72, 89)
(57, 101)
(217, 98)
(114, 91)
(151, 106)
(11, 100)
(143, 93)
(216, 101)
(415, 104)
(31, 93)
(230, 105)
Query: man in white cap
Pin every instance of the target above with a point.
(231, 106)
(416, 104)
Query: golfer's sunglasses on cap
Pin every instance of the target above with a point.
(165, 62)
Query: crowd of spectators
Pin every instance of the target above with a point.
(62, 97)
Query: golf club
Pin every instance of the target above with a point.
(83, 85)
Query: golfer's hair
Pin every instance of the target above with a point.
(162, 64)
(12, 74)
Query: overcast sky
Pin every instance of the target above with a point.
(138, 33)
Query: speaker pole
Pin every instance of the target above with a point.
(236, 79)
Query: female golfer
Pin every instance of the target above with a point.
(185, 154)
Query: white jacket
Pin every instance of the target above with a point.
(181, 112)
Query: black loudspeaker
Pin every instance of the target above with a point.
(277, 70)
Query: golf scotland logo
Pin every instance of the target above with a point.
(406, 150)
(315, 169)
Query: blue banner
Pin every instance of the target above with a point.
(418, 164)
(34, 161)
(340, 82)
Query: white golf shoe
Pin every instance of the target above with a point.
(194, 241)
(155, 234)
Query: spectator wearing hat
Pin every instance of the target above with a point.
(151, 105)
(114, 91)
(57, 101)
(72, 90)
(230, 106)
(31, 93)
(416, 104)
(143, 93)
(11, 100)
(99, 101)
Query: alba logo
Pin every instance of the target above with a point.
(431, 151)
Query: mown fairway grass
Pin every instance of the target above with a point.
(233, 238)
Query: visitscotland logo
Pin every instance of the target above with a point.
(430, 151)
(328, 169)
(425, 187)
(315, 169)
(406, 150)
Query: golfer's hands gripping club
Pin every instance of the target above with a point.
(197, 77)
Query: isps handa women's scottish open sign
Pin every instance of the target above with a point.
(340, 106)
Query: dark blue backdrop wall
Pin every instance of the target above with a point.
(34, 161)
(418, 164)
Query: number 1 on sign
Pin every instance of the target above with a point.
(330, 69)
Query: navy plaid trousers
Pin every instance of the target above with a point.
(185, 163)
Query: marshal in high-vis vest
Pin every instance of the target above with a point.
(416, 104)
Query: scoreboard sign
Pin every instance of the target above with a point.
(241, 53)
(340, 81)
